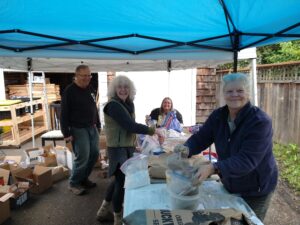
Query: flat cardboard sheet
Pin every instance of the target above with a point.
(12, 159)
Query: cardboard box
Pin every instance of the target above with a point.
(21, 194)
(64, 157)
(41, 156)
(8, 166)
(49, 161)
(5, 174)
(61, 155)
(12, 159)
(69, 146)
(12, 169)
(4, 207)
(49, 156)
(34, 156)
(59, 173)
(20, 191)
(40, 178)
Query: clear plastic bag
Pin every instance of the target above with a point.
(136, 171)
(180, 184)
(151, 146)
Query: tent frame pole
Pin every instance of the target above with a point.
(235, 51)
(30, 78)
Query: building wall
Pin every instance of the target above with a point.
(206, 93)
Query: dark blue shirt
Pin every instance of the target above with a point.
(245, 158)
(78, 109)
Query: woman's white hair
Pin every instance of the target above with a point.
(121, 81)
(240, 77)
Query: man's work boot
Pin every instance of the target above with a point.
(104, 213)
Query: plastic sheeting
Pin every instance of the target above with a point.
(212, 196)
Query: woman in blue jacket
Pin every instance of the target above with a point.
(242, 134)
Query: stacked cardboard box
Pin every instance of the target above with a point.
(4, 207)
(39, 178)
(35, 175)
(18, 179)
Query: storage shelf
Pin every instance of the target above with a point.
(20, 126)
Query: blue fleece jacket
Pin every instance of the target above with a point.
(245, 158)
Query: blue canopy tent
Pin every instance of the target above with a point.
(148, 29)
(184, 31)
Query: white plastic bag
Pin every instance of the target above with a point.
(136, 171)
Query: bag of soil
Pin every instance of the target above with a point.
(187, 217)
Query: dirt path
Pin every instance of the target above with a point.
(284, 208)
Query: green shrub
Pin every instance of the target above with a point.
(288, 156)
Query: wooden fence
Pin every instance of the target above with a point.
(279, 96)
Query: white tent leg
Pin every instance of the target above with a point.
(46, 100)
(254, 81)
(30, 78)
(102, 90)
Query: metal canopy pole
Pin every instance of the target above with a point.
(235, 51)
(30, 77)
(46, 100)
(235, 61)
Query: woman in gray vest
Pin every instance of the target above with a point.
(120, 130)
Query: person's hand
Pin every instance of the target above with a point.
(203, 173)
(161, 136)
(182, 149)
(147, 118)
(161, 139)
(69, 139)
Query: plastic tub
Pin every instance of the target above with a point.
(183, 202)
(177, 183)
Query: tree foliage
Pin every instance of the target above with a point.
(281, 52)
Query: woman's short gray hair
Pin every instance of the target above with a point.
(241, 77)
(121, 81)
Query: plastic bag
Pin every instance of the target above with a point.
(151, 146)
(136, 171)
(194, 129)
(171, 122)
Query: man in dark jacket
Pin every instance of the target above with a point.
(242, 134)
(80, 124)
